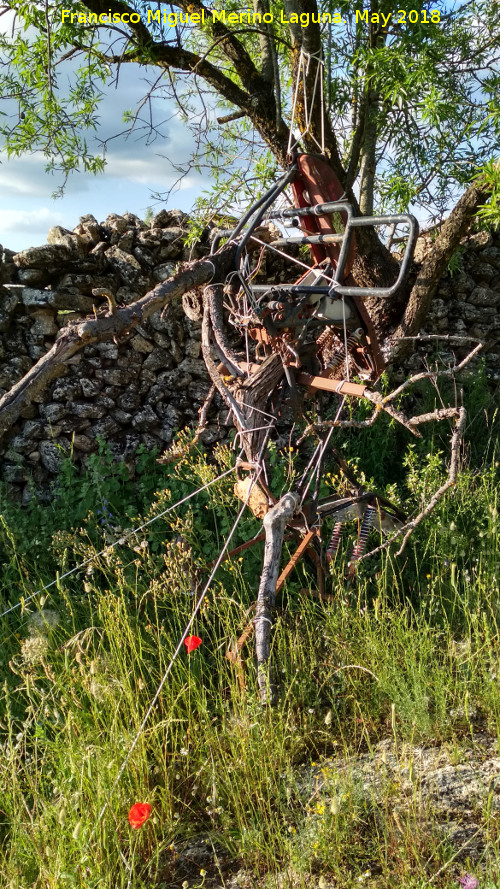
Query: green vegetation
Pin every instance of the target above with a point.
(80, 666)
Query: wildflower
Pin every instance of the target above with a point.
(34, 648)
(468, 881)
(43, 621)
(138, 814)
(203, 872)
(192, 643)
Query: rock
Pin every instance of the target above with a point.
(66, 390)
(491, 255)
(53, 412)
(478, 241)
(89, 387)
(159, 359)
(483, 296)
(140, 344)
(162, 272)
(171, 243)
(42, 257)
(13, 475)
(194, 366)
(483, 272)
(9, 302)
(126, 265)
(33, 276)
(462, 284)
(32, 297)
(129, 401)
(44, 323)
(104, 428)
(77, 245)
(121, 417)
(115, 376)
(144, 419)
(86, 410)
(144, 257)
(83, 443)
(52, 455)
(89, 225)
(167, 218)
(126, 242)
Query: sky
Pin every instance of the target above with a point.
(133, 173)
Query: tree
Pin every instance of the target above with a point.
(411, 99)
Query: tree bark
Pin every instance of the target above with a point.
(433, 267)
(274, 526)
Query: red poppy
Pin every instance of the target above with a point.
(192, 643)
(138, 814)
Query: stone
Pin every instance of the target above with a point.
(158, 359)
(121, 417)
(33, 297)
(462, 283)
(126, 242)
(484, 296)
(483, 272)
(116, 223)
(9, 302)
(89, 387)
(162, 272)
(105, 428)
(129, 401)
(12, 474)
(53, 412)
(115, 376)
(144, 256)
(125, 295)
(52, 455)
(108, 350)
(478, 241)
(194, 366)
(83, 443)
(33, 428)
(126, 265)
(491, 255)
(89, 225)
(71, 299)
(77, 245)
(33, 276)
(66, 390)
(140, 344)
(144, 419)
(41, 257)
(44, 323)
(87, 410)
(166, 218)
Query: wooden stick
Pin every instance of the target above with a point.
(274, 526)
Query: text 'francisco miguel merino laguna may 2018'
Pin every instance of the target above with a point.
(248, 17)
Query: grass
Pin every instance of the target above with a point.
(408, 654)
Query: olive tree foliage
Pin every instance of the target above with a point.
(411, 97)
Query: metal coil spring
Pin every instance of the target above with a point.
(339, 357)
(334, 542)
(366, 525)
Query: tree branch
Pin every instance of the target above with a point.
(76, 336)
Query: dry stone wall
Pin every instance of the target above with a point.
(142, 389)
(131, 392)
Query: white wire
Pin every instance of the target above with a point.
(111, 546)
(158, 691)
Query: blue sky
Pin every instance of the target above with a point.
(133, 172)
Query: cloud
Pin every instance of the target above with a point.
(28, 220)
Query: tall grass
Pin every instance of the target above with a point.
(409, 651)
